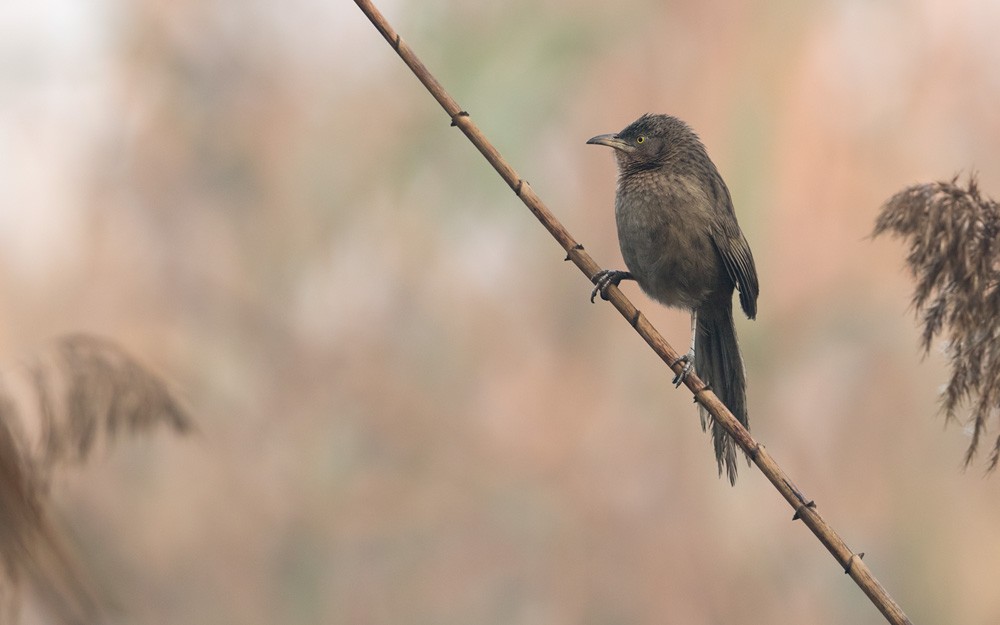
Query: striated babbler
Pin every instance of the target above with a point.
(681, 242)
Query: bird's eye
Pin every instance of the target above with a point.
(640, 139)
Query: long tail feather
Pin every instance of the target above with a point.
(718, 362)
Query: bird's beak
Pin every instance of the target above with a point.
(612, 141)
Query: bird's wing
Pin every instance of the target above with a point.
(738, 260)
(735, 253)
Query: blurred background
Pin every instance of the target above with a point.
(408, 411)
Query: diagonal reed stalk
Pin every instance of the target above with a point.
(805, 509)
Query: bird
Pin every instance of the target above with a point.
(682, 244)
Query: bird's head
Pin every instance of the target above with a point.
(648, 142)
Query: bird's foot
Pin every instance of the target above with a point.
(688, 360)
(605, 278)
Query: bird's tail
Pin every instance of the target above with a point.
(718, 362)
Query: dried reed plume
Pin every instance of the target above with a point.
(80, 394)
(954, 238)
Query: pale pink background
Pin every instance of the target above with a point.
(409, 411)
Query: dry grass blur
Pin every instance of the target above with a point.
(409, 412)
(79, 395)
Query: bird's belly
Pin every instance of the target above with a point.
(673, 264)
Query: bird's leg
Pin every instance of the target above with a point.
(688, 358)
(605, 278)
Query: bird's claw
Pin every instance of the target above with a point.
(688, 360)
(605, 278)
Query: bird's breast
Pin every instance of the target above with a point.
(665, 234)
